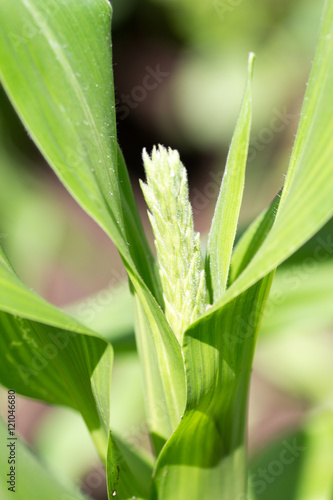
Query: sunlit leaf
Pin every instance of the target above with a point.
(205, 458)
(48, 355)
(218, 370)
(225, 220)
(306, 202)
(58, 75)
(252, 239)
(60, 82)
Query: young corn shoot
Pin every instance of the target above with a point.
(196, 387)
(177, 245)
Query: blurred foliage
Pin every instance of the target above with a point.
(213, 40)
(34, 472)
(297, 465)
(24, 208)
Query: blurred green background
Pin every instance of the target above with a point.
(180, 71)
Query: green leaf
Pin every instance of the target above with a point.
(252, 239)
(48, 355)
(306, 203)
(129, 474)
(63, 440)
(225, 220)
(163, 368)
(56, 67)
(205, 458)
(59, 79)
(33, 480)
(218, 351)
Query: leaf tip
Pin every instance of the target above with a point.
(251, 60)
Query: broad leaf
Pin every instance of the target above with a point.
(48, 355)
(205, 458)
(162, 362)
(60, 82)
(58, 75)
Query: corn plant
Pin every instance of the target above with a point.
(196, 317)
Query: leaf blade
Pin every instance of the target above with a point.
(48, 355)
(252, 239)
(306, 201)
(65, 99)
(218, 352)
(224, 224)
